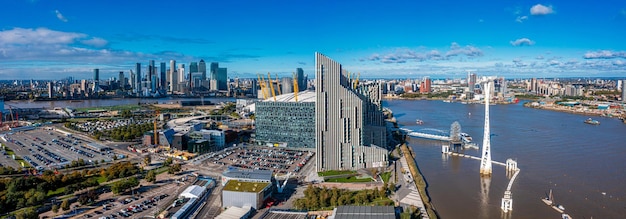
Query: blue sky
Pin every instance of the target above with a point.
(46, 39)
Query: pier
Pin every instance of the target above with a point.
(511, 167)
(425, 135)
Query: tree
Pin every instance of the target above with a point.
(392, 187)
(174, 169)
(55, 208)
(28, 213)
(151, 176)
(168, 161)
(65, 205)
(147, 160)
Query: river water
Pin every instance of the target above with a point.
(584, 165)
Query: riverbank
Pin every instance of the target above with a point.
(579, 109)
(419, 180)
(448, 100)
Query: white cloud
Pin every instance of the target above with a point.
(605, 54)
(540, 9)
(22, 36)
(95, 41)
(522, 42)
(403, 55)
(521, 19)
(60, 16)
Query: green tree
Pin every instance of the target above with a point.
(392, 187)
(151, 176)
(55, 208)
(65, 205)
(147, 160)
(174, 169)
(168, 161)
(28, 213)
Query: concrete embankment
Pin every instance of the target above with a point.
(419, 180)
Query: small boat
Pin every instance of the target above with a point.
(566, 216)
(465, 137)
(559, 208)
(419, 122)
(548, 200)
(592, 122)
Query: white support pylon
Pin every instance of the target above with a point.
(485, 163)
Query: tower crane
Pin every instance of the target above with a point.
(295, 86)
(356, 81)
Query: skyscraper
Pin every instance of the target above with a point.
(173, 76)
(96, 80)
(222, 79)
(122, 80)
(138, 77)
(202, 68)
(350, 129)
(150, 71)
(163, 76)
(301, 79)
(214, 78)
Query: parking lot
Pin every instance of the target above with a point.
(48, 149)
(278, 160)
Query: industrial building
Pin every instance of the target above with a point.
(238, 193)
(193, 197)
(285, 121)
(350, 129)
(246, 175)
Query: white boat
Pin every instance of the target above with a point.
(465, 137)
(549, 199)
(559, 208)
(419, 122)
(566, 216)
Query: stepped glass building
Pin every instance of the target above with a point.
(350, 128)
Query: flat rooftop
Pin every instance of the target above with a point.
(237, 186)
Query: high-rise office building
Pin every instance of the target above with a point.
(138, 77)
(471, 81)
(121, 81)
(162, 68)
(214, 78)
(202, 68)
(181, 72)
(286, 85)
(222, 79)
(150, 71)
(96, 80)
(301, 79)
(350, 129)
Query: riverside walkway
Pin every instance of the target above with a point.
(408, 194)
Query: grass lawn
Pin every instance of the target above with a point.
(59, 191)
(386, 176)
(119, 107)
(161, 170)
(335, 172)
(349, 180)
(101, 179)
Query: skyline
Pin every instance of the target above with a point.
(43, 39)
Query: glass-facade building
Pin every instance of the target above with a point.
(285, 123)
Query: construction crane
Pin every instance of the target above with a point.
(278, 84)
(271, 86)
(295, 86)
(262, 84)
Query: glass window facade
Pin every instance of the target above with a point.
(292, 123)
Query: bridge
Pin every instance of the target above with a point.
(425, 135)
